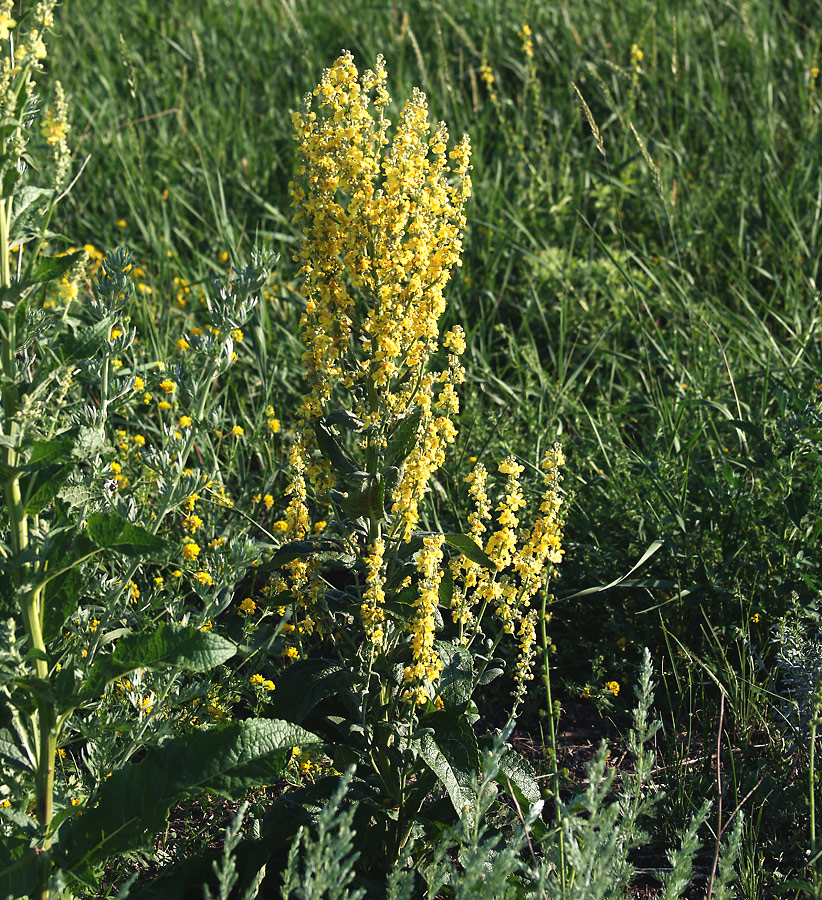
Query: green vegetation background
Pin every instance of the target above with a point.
(640, 275)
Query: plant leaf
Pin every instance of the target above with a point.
(403, 438)
(452, 754)
(304, 684)
(470, 550)
(178, 646)
(116, 533)
(132, 805)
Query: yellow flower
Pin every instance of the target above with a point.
(256, 679)
(291, 653)
(121, 223)
(247, 607)
(139, 440)
(164, 404)
(192, 523)
(6, 24)
(184, 421)
(139, 384)
(204, 578)
(268, 500)
(237, 431)
(183, 344)
(190, 550)
(613, 687)
(168, 386)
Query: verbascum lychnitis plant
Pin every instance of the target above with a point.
(394, 627)
(92, 651)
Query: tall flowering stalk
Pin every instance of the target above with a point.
(381, 210)
(382, 222)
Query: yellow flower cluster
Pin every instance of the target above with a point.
(427, 665)
(521, 558)
(371, 610)
(382, 223)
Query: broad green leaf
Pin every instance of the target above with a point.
(470, 550)
(331, 450)
(368, 500)
(178, 646)
(132, 805)
(304, 684)
(298, 550)
(515, 771)
(452, 754)
(344, 419)
(45, 452)
(403, 438)
(457, 677)
(25, 198)
(10, 742)
(86, 342)
(19, 868)
(62, 595)
(116, 533)
(50, 268)
(41, 486)
(445, 589)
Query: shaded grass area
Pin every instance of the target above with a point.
(640, 280)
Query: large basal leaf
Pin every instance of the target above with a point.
(132, 805)
(114, 532)
(452, 754)
(177, 646)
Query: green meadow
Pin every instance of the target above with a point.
(378, 527)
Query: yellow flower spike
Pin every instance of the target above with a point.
(382, 222)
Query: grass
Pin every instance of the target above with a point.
(652, 302)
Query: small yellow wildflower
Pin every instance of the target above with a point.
(139, 384)
(292, 653)
(6, 24)
(164, 404)
(268, 500)
(613, 687)
(238, 431)
(168, 386)
(121, 223)
(139, 440)
(191, 550)
(247, 607)
(204, 578)
(184, 421)
(183, 344)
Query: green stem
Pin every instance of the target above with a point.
(552, 737)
